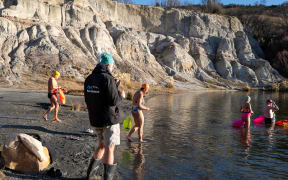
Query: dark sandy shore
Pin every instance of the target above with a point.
(70, 145)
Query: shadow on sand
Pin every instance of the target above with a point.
(15, 174)
(42, 129)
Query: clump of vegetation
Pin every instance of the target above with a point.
(170, 85)
(78, 107)
(2, 175)
(247, 87)
(129, 96)
(269, 26)
(283, 85)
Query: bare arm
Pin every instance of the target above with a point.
(275, 107)
(251, 111)
(140, 102)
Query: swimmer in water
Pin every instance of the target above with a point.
(269, 109)
(246, 111)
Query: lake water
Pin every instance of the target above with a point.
(189, 136)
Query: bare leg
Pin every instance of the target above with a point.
(95, 160)
(141, 125)
(49, 110)
(247, 122)
(135, 127)
(109, 155)
(100, 151)
(56, 109)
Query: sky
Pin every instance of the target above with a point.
(244, 2)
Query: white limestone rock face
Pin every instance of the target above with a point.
(203, 54)
(244, 73)
(150, 43)
(224, 68)
(176, 58)
(226, 50)
(137, 56)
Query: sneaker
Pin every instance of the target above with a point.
(90, 131)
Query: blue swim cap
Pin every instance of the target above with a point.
(247, 98)
(106, 58)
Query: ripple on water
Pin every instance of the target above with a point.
(190, 137)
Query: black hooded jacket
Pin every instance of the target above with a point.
(102, 97)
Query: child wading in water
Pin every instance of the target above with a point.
(138, 107)
(269, 110)
(246, 111)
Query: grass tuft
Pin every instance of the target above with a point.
(129, 95)
(76, 107)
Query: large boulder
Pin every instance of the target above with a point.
(24, 153)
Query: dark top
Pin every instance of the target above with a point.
(102, 97)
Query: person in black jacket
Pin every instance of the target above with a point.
(102, 98)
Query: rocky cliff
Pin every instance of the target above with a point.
(149, 43)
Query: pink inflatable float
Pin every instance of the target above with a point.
(238, 123)
(259, 119)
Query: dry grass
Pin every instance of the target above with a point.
(170, 83)
(221, 82)
(281, 86)
(247, 87)
(76, 87)
(2, 175)
(129, 95)
(77, 106)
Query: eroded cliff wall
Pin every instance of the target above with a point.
(149, 43)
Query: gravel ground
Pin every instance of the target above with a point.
(70, 145)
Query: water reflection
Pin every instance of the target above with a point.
(270, 133)
(189, 136)
(134, 159)
(139, 160)
(246, 137)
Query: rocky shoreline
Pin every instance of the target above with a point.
(68, 142)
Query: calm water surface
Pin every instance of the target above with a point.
(189, 136)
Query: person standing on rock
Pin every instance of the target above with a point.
(102, 98)
(52, 90)
(137, 108)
